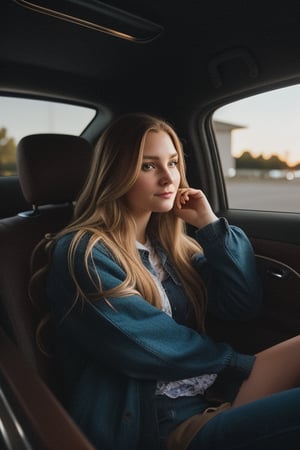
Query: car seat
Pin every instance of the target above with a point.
(52, 169)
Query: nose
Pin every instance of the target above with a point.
(166, 176)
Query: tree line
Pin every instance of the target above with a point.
(248, 161)
(7, 154)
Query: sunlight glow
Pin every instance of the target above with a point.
(270, 121)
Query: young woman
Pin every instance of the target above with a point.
(128, 293)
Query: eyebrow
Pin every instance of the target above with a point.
(156, 157)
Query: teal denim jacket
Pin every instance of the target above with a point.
(112, 353)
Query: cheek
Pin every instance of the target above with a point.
(144, 183)
(137, 190)
(177, 178)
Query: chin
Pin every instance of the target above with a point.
(163, 210)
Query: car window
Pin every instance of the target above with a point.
(258, 140)
(22, 116)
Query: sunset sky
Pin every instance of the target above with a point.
(271, 121)
(25, 116)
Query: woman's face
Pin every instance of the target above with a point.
(156, 186)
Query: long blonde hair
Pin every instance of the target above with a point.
(101, 212)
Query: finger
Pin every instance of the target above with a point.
(180, 198)
(185, 198)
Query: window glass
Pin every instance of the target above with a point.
(20, 117)
(259, 144)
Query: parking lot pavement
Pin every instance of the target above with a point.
(270, 195)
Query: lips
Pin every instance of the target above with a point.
(165, 194)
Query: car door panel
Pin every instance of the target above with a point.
(32, 417)
(278, 264)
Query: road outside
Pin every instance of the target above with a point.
(269, 195)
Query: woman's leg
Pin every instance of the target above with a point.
(275, 369)
(271, 423)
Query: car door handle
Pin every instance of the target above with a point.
(280, 273)
(276, 269)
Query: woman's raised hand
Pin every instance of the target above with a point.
(192, 206)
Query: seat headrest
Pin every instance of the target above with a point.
(52, 168)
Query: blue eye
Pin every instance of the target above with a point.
(173, 163)
(147, 166)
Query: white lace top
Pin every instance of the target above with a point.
(188, 387)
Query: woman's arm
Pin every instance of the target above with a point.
(228, 268)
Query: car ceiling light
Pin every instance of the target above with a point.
(98, 16)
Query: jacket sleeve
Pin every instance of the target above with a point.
(132, 336)
(228, 268)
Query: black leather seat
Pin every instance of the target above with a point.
(52, 169)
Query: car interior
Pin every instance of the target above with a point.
(183, 62)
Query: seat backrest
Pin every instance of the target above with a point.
(52, 169)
